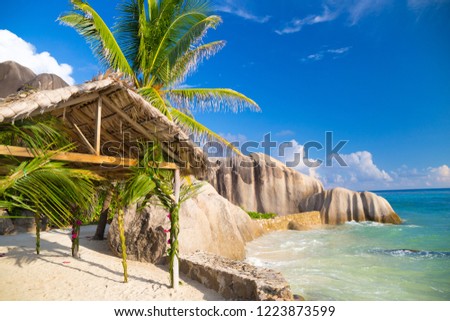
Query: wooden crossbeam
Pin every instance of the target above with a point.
(84, 139)
(81, 158)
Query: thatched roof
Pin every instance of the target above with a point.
(125, 119)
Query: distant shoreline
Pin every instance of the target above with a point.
(411, 190)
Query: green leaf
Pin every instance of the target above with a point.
(90, 25)
(200, 131)
(154, 97)
(211, 99)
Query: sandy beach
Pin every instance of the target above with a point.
(55, 275)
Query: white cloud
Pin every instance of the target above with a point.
(235, 8)
(321, 54)
(339, 51)
(361, 8)
(439, 175)
(315, 57)
(297, 24)
(362, 173)
(405, 177)
(15, 48)
(353, 11)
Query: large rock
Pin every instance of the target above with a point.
(12, 77)
(6, 225)
(236, 280)
(208, 222)
(299, 222)
(263, 184)
(26, 222)
(145, 237)
(44, 82)
(340, 205)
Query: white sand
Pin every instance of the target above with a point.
(55, 275)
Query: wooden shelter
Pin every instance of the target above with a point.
(106, 119)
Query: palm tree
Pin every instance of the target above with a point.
(156, 46)
(41, 185)
(144, 182)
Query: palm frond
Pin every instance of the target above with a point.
(88, 23)
(154, 97)
(192, 37)
(178, 28)
(129, 30)
(189, 34)
(199, 131)
(49, 188)
(211, 99)
(188, 64)
(37, 134)
(153, 9)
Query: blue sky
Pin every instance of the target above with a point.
(374, 72)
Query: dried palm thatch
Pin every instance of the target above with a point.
(107, 118)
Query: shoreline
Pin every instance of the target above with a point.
(55, 275)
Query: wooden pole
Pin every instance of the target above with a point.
(98, 126)
(176, 265)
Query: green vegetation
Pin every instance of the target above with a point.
(44, 187)
(156, 45)
(145, 182)
(261, 216)
(66, 196)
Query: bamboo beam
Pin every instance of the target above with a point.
(81, 158)
(83, 138)
(98, 126)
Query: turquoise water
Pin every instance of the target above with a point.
(368, 261)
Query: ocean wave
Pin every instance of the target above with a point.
(365, 224)
(411, 253)
(256, 262)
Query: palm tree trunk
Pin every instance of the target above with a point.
(76, 239)
(174, 231)
(100, 231)
(123, 244)
(37, 220)
(173, 257)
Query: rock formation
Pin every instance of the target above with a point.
(208, 223)
(341, 205)
(236, 280)
(263, 184)
(299, 222)
(44, 82)
(260, 183)
(14, 77)
(6, 225)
